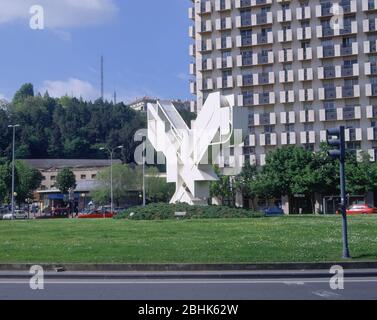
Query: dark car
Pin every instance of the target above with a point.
(274, 211)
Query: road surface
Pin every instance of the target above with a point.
(170, 288)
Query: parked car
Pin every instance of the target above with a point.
(274, 211)
(361, 209)
(18, 215)
(96, 214)
(58, 213)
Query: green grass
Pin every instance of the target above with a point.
(284, 239)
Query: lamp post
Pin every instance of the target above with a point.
(111, 152)
(13, 126)
(144, 193)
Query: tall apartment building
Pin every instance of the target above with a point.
(283, 60)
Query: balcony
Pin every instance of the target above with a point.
(253, 20)
(191, 13)
(192, 32)
(305, 74)
(340, 114)
(285, 35)
(223, 5)
(256, 79)
(369, 5)
(305, 54)
(255, 40)
(328, 10)
(371, 68)
(370, 25)
(354, 135)
(264, 119)
(371, 112)
(192, 87)
(304, 33)
(205, 85)
(372, 134)
(205, 45)
(306, 95)
(307, 116)
(287, 96)
(288, 117)
(251, 3)
(224, 63)
(285, 55)
(286, 76)
(288, 138)
(250, 99)
(307, 137)
(284, 15)
(333, 72)
(332, 51)
(192, 69)
(328, 115)
(225, 82)
(224, 24)
(254, 59)
(326, 30)
(371, 90)
(268, 139)
(203, 7)
(224, 43)
(205, 27)
(370, 47)
(303, 13)
(205, 65)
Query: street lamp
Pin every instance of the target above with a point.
(13, 126)
(111, 152)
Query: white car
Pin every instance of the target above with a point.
(18, 215)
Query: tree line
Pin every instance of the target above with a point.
(293, 170)
(67, 127)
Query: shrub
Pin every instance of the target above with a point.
(162, 211)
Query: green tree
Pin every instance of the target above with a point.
(29, 180)
(26, 91)
(65, 180)
(223, 188)
(157, 189)
(244, 182)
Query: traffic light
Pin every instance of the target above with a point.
(336, 140)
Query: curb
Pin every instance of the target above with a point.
(188, 267)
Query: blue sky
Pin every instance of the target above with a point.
(145, 44)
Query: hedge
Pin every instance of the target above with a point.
(162, 211)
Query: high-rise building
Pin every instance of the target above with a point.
(299, 66)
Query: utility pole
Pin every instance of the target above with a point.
(340, 153)
(102, 79)
(13, 165)
(144, 193)
(111, 152)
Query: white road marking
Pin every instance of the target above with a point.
(326, 294)
(122, 282)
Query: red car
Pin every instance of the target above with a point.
(96, 214)
(361, 209)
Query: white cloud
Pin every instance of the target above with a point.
(71, 87)
(61, 13)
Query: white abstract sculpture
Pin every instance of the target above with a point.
(186, 150)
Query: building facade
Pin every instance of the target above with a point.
(299, 66)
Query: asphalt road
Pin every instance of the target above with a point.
(188, 289)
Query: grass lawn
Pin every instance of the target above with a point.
(285, 239)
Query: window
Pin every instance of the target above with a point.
(83, 176)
